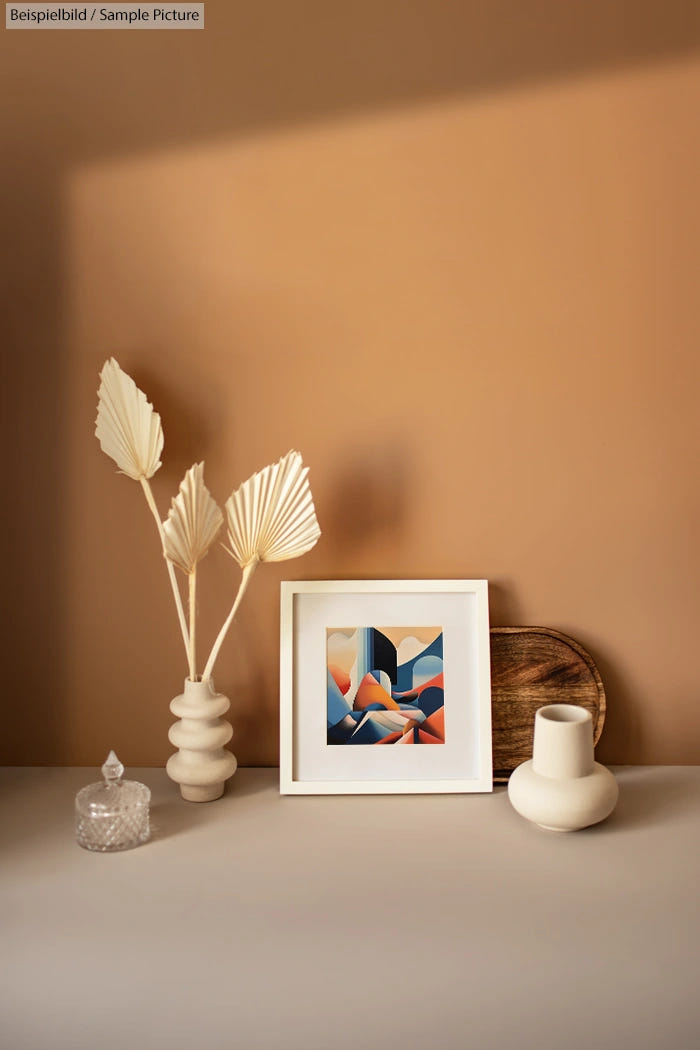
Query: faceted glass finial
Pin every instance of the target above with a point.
(112, 770)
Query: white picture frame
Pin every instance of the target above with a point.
(332, 631)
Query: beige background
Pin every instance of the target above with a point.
(450, 252)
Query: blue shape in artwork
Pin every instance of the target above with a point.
(425, 668)
(338, 707)
(364, 652)
(339, 734)
(404, 674)
(369, 733)
(431, 699)
(375, 652)
(383, 653)
(376, 707)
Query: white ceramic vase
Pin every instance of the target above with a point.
(562, 788)
(202, 765)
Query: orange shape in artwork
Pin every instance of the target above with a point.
(341, 677)
(371, 692)
(426, 738)
(391, 739)
(435, 724)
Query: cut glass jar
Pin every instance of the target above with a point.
(114, 814)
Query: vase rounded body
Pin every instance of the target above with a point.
(202, 764)
(562, 788)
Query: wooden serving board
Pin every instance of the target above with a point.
(531, 667)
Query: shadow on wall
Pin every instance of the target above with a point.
(191, 425)
(82, 96)
(273, 62)
(621, 718)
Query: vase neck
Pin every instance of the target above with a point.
(563, 742)
(202, 688)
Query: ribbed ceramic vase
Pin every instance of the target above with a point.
(562, 788)
(202, 765)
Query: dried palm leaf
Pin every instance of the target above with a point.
(129, 431)
(271, 517)
(188, 533)
(127, 427)
(193, 521)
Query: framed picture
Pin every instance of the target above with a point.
(385, 687)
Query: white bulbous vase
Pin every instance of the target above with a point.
(562, 788)
(202, 765)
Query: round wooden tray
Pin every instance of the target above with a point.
(531, 667)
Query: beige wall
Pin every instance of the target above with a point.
(452, 257)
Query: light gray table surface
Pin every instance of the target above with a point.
(402, 922)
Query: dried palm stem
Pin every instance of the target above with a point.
(148, 493)
(192, 608)
(248, 571)
(271, 517)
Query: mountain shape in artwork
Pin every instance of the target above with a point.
(435, 724)
(393, 738)
(425, 738)
(418, 736)
(341, 731)
(371, 692)
(337, 705)
(369, 731)
(342, 678)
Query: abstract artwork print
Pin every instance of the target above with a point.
(385, 685)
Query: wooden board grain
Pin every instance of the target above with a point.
(532, 667)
